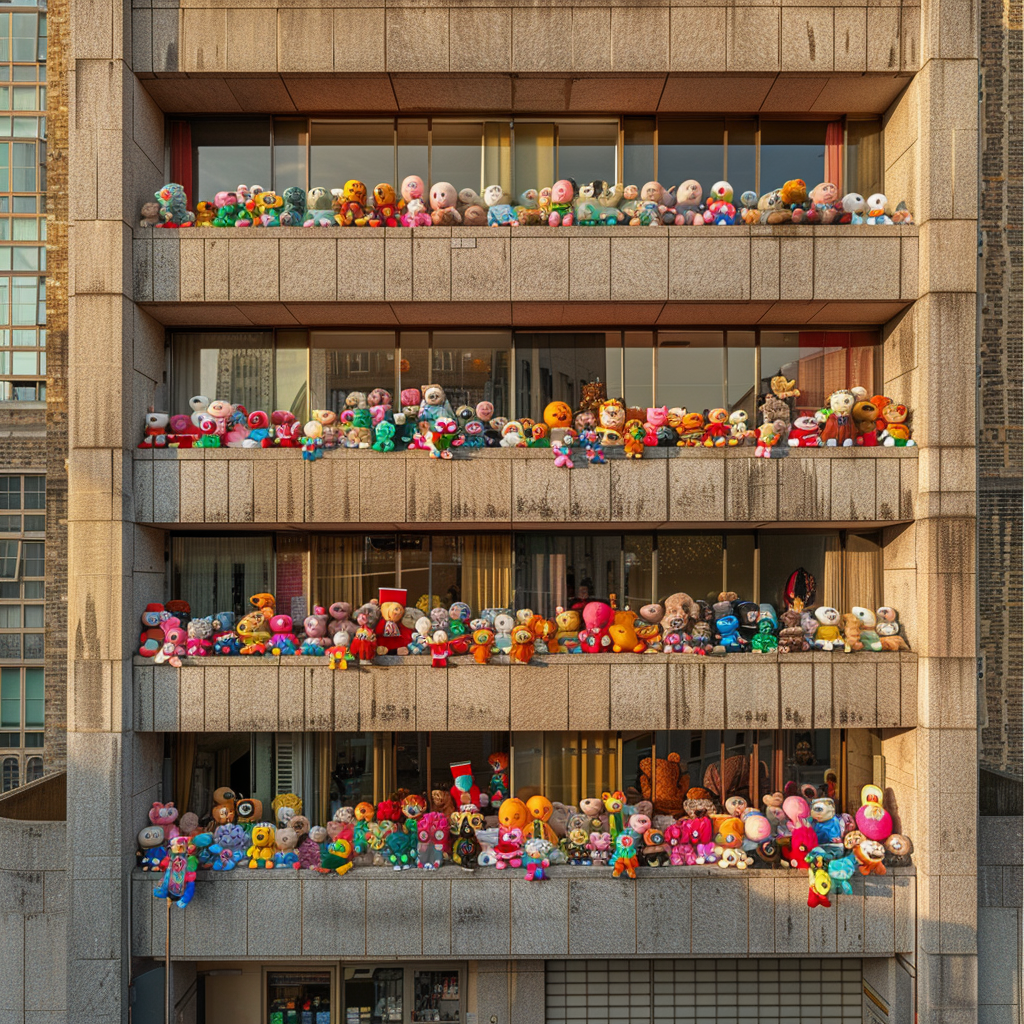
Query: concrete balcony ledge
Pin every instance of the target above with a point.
(524, 276)
(521, 486)
(815, 690)
(377, 912)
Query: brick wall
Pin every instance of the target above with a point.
(55, 757)
(1001, 437)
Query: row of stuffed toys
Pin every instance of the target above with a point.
(387, 626)
(426, 420)
(798, 828)
(565, 203)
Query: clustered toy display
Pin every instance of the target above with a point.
(563, 204)
(799, 828)
(388, 626)
(424, 419)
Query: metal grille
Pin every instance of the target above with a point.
(804, 991)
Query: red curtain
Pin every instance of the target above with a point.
(834, 154)
(181, 157)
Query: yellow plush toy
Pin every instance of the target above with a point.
(261, 853)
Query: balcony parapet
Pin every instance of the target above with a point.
(803, 275)
(578, 912)
(813, 690)
(512, 487)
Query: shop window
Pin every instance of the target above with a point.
(436, 996)
(220, 573)
(299, 997)
(226, 154)
(374, 995)
(564, 766)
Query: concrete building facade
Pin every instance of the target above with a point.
(139, 307)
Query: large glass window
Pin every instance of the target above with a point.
(343, 150)
(691, 149)
(554, 367)
(566, 569)
(226, 154)
(352, 771)
(864, 157)
(346, 361)
(220, 573)
(252, 368)
(564, 766)
(472, 367)
(792, 149)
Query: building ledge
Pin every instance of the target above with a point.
(517, 487)
(377, 912)
(795, 274)
(815, 690)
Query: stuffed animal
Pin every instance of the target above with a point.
(261, 848)
(444, 204)
(625, 859)
(151, 849)
(536, 856)
(179, 881)
(465, 844)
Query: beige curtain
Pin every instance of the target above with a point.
(534, 157)
(497, 167)
(487, 571)
(830, 591)
(862, 573)
(350, 568)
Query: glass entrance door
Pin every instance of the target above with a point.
(436, 996)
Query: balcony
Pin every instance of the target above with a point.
(505, 487)
(403, 41)
(815, 690)
(578, 912)
(237, 277)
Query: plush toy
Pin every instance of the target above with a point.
(896, 433)
(229, 846)
(625, 859)
(350, 205)
(179, 881)
(151, 851)
(827, 636)
(174, 212)
(560, 210)
(337, 857)
(499, 212)
(444, 204)
(465, 844)
(867, 624)
(536, 856)
(386, 208)
(432, 840)
(166, 816)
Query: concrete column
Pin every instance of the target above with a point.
(116, 157)
(930, 354)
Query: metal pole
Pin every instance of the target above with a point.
(167, 965)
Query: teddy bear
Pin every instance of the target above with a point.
(224, 800)
(670, 783)
(681, 611)
(865, 420)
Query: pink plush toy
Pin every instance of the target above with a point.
(871, 817)
(166, 816)
(443, 202)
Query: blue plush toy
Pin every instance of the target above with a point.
(229, 844)
(203, 843)
(728, 627)
(841, 871)
(180, 873)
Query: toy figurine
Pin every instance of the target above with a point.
(174, 212)
(482, 647)
(625, 858)
(179, 882)
(536, 857)
(151, 849)
(337, 857)
(465, 845)
(432, 834)
(509, 848)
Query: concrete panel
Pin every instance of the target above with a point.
(663, 927)
(638, 695)
(639, 491)
(723, 901)
(395, 909)
(536, 931)
(387, 699)
(480, 916)
(602, 918)
(539, 695)
(333, 916)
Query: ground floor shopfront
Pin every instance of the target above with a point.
(798, 990)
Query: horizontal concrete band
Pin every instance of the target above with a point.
(297, 36)
(738, 691)
(834, 269)
(577, 912)
(521, 486)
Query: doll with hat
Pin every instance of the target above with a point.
(392, 635)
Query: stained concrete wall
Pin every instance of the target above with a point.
(34, 911)
(1000, 875)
